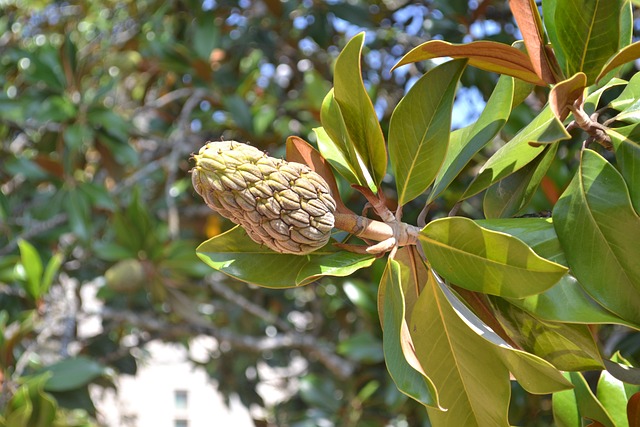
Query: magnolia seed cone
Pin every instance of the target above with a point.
(283, 205)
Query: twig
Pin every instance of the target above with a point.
(33, 230)
(405, 234)
(247, 305)
(179, 149)
(596, 131)
(323, 352)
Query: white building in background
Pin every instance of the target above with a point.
(168, 391)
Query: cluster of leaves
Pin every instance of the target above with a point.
(101, 104)
(478, 301)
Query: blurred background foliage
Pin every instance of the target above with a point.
(101, 105)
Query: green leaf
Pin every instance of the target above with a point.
(568, 347)
(335, 157)
(473, 384)
(628, 54)
(72, 373)
(611, 392)
(239, 111)
(549, 21)
(399, 353)
(419, 129)
(486, 55)
(486, 261)
(466, 142)
(50, 271)
(533, 373)
(626, 143)
(622, 370)
(510, 196)
(359, 115)
(361, 347)
(76, 135)
(206, 35)
(235, 254)
(629, 95)
(566, 301)
(603, 255)
(33, 268)
(571, 406)
(78, 207)
(594, 94)
(588, 42)
(609, 71)
(537, 233)
(515, 154)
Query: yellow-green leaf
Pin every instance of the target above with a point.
(486, 261)
(599, 232)
(419, 129)
(359, 115)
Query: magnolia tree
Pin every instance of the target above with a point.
(467, 305)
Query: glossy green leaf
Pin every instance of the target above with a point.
(566, 301)
(571, 406)
(628, 54)
(487, 55)
(337, 145)
(515, 154)
(626, 143)
(630, 94)
(603, 255)
(631, 114)
(466, 142)
(537, 233)
(613, 395)
(413, 274)
(626, 24)
(549, 22)
(567, 347)
(592, 100)
(401, 361)
(622, 370)
(486, 261)
(533, 373)
(32, 263)
(73, 373)
(419, 129)
(613, 67)
(473, 384)
(510, 195)
(359, 115)
(586, 43)
(235, 254)
(334, 156)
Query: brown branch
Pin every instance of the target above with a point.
(405, 234)
(597, 132)
(34, 229)
(323, 352)
(247, 305)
